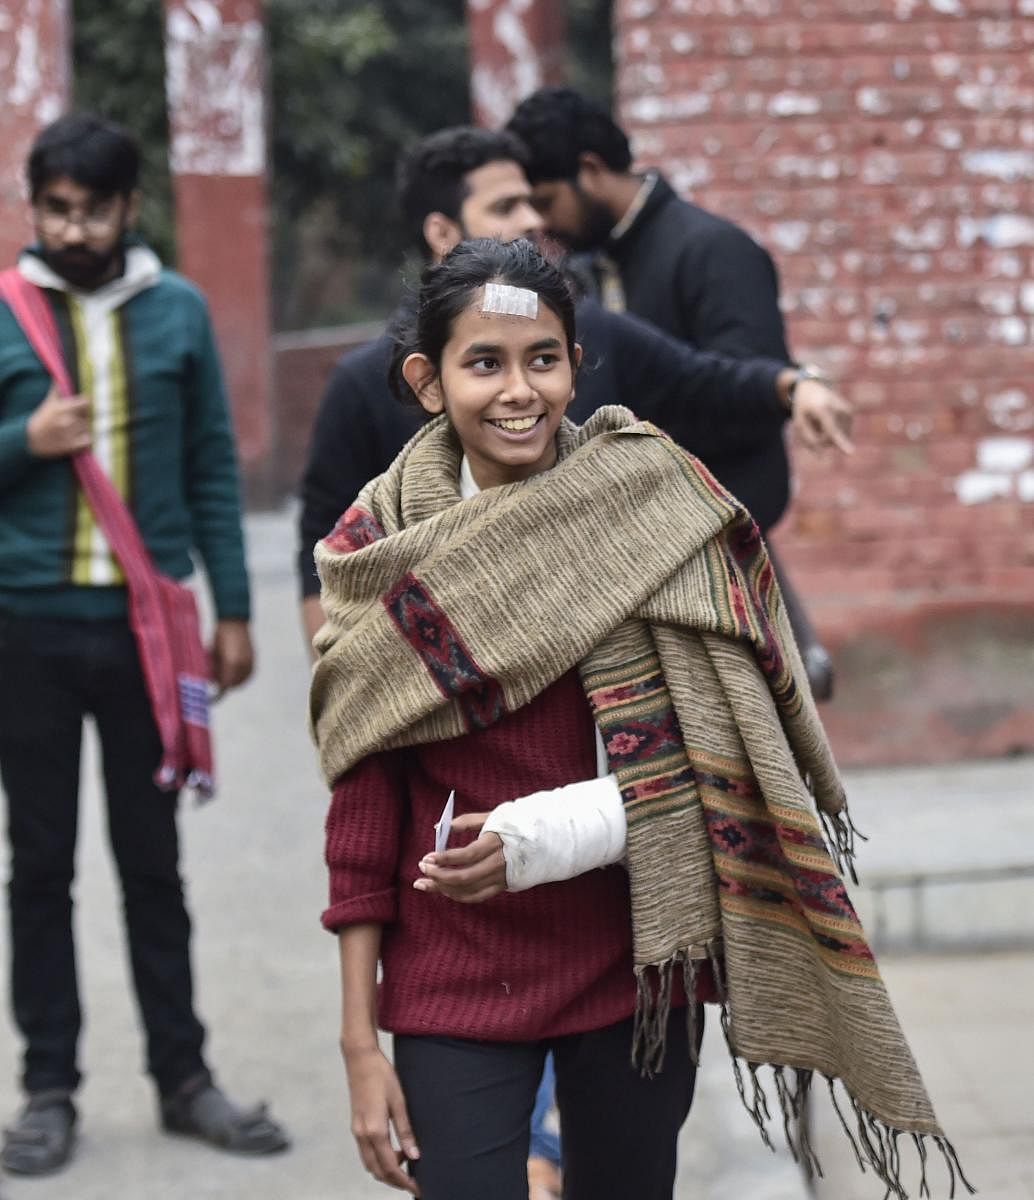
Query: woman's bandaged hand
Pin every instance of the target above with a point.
(550, 836)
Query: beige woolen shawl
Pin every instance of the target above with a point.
(629, 561)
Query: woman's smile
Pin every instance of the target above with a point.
(514, 428)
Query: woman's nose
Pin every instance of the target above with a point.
(517, 386)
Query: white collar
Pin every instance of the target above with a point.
(636, 207)
(143, 268)
(468, 484)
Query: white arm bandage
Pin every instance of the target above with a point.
(549, 836)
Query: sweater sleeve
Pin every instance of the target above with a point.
(339, 458)
(210, 477)
(709, 404)
(15, 457)
(730, 295)
(363, 835)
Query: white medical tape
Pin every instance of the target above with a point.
(510, 301)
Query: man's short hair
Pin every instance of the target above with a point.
(432, 177)
(558, 124)
(94, 152)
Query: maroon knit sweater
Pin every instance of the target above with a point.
(553, 960)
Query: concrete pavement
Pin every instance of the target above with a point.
(268, 990)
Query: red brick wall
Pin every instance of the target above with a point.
(883, 150)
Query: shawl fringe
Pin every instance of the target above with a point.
(842, 836)
(875, 1143)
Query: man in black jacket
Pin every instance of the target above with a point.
(468, 182)
(687, 271)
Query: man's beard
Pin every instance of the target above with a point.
(82, 267)
(595, 223)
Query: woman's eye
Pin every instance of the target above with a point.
(485, 364)
(545, 360)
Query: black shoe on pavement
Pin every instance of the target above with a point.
(818, 666)
(205, 1112)
(41, 1138)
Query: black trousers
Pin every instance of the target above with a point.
(52, 674)
(470, 1104)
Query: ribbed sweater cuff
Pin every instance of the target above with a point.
(376, 908)
(14, 442)
(232, 600)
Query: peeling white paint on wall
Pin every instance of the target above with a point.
(688, 176)
(33, 78)
(1010, 330)
(977, 487)
(1005, 453)
(1010, 410)
(214, 81)
(1003, 470)
(1002, 164)
(650, 109)
(1001, 230)
(790, 236)
(794, 104)
(496, 90)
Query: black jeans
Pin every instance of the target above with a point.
(52, 674)
(470, 1104)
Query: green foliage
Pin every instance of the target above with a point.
(352, 83)
(117, 51)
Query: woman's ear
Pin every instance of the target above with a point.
(577, 363)
(418, 371)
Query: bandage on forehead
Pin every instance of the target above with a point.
(510, 301)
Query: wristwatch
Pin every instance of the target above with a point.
(804, 371)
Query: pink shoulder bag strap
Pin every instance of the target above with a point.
(162, 612)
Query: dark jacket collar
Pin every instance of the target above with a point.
(660, 194)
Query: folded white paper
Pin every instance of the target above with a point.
(444, 824)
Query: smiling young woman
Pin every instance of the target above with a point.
(503, 380)
(575, 633)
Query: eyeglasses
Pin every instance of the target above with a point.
(53, 218)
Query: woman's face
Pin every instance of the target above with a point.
(505, 383)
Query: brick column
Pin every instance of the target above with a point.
(516, 46)
(214, 52)
(34, 71)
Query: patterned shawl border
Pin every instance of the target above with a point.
(355, 529)
(445, 655)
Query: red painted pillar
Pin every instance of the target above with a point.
(34, 73)
(215, 83)
(516, 46)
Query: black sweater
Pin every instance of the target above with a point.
(710, 405)
(707, 282)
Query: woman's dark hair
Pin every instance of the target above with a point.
(94, 152)
(447, 288)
